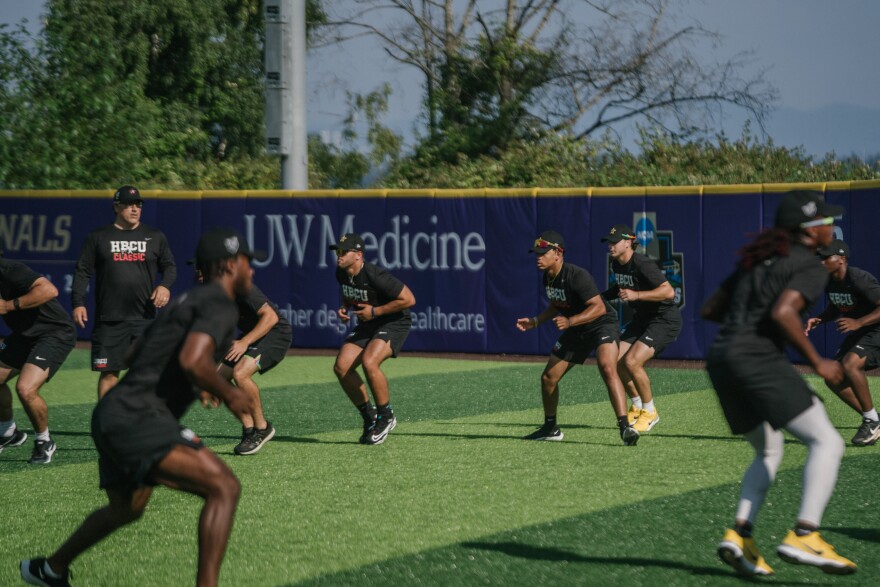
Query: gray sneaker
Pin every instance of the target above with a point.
(43, 451)
(868, 433)
(17, 439)
(253, 442)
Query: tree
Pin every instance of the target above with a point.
(525, 67)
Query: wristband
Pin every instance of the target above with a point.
(535, 321)
(372, 311)
(16, 304)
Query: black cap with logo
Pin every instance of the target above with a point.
(126, 195)
(224, 243)
(799, 208)
(351, 241)
(835, 247)
(619, 232)
(549, 239)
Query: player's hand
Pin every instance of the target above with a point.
(343, 314)
(80, 316)
(628, 295)
(160, 296)
(829, 370)
(209, 400)
(364, 312)
(524, 324)
(236, 350)
(562, 323)
(811, 324)
(846, 324)
(3, 307)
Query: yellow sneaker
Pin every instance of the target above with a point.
(646, 420)
(813, 550)
(632, 414)
(742, 554)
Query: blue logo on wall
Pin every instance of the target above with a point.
(644, 231)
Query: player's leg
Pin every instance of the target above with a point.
(606, 360)
(345, 368)
(377, 352)
(202, 473)
(634, 364)
(30, 380)
(554, 371)
(107, 380)
(258, 431)
(825, 447)
(629, 385)
(10, 435)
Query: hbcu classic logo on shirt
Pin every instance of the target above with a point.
(842, 301)
(129, 250)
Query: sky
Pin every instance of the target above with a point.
(819, 54)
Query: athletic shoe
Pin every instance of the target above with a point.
(813, 550)
(253, 442)
(381, 429)
(34, 573)
(646, 420)
(742, 554)
(43, 451)
(546, 432)
(632, 414)
(868, 433)
(17, 439)
(630, 436)
(368, 429)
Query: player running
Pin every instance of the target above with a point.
(759, 306)
(854, 306)
(656, 321)
(587, 323)
(381, 304)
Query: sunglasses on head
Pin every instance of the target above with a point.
(542, 244)
(828, 220)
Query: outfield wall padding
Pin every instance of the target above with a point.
(463, 253)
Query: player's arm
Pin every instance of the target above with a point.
(829, 313)
(852, 324)
(405, 299)
(196, 360)
(343, 309)
(524, 324)
(162, 293)
(267, 320)
(40, 292)
(85, 268)
(787, 315)
(612, 293)
(661, 293)
(595, 309)
(715, 307)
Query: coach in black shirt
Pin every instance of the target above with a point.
(381, 304)
(125, 257)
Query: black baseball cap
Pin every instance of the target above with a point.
(351, 241)
(799, 208)
(127, 194)
(549, 239)
(835, 247)
(224, 243)
(619, 232)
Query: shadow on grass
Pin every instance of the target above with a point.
(513, 437)
(866, 534)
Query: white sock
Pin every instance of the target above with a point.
(649, 406)
(872, 415)
(43, 436)
(7, 428)
(637, 402)
(48, 570)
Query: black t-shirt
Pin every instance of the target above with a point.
(640, 273)
(248, 317)
(854, 296)
(125, 264)
(571, 289)
(156, 377)
(16, 279)
(754, 293)
(372, 285)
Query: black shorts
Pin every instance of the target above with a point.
(268, 351)
(132, 438)
(46, 352)
(111, 341)
(656, 332)
(866, 346)
(395, 332)
(576, 344)
(756, 385)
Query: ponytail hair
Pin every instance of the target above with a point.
(772, 242)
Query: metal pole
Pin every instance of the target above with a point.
(295, 166)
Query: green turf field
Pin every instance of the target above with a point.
(454, 497)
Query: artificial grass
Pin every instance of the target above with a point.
(453, 498)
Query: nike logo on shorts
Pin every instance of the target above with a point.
(605, 337)
(649, 338)
(39, 358)
(381, 332)
(148, 238)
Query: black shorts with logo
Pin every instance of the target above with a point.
(46, 352)
(866, 346)
(111, 341)
(132, 437)
(394, 332)
(576, 344)
(268, 351)
(656, 332)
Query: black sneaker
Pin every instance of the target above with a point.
(369, 425)
(630, 436)
(868, 433)
(253, 442)
(546, 432)
(34, 573)
(384, 425)
(43, 451)
(17, 439)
